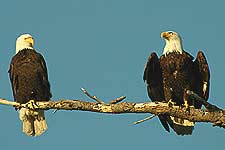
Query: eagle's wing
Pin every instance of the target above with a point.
(154, 82)
(44, 76)
(202, 75)
(13, 78)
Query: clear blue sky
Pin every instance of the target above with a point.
(102, 46)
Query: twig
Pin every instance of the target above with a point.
(54, 111)
(145, 119)
(92, 97)
(117, 100)
(207, 105)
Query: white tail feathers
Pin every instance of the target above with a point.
(182, 126)
(34, 123)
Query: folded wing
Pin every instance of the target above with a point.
(202, 75)
(153, 78)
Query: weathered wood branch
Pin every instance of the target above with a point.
(217, 117)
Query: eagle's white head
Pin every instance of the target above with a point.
(24, 41)
(173, 42)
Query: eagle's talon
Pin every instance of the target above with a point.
(187, 109)
(191, 107)
(170, 103)
(31, 104)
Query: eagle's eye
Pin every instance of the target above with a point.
(171, 33)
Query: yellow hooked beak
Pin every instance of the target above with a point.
(30, 40)
(166, 35)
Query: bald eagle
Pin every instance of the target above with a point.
(29, 80)
(168, 77)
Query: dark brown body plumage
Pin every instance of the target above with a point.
(167, 79)
(29, 78)
(178, 75)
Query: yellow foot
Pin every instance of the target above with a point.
(171, 103)
(191, 106)
(31, 104)
(186, 104)
(188, 107)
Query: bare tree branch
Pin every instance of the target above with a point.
(216, 117)
(7, 102)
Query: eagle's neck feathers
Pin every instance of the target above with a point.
(174, 45)
(20, 47)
